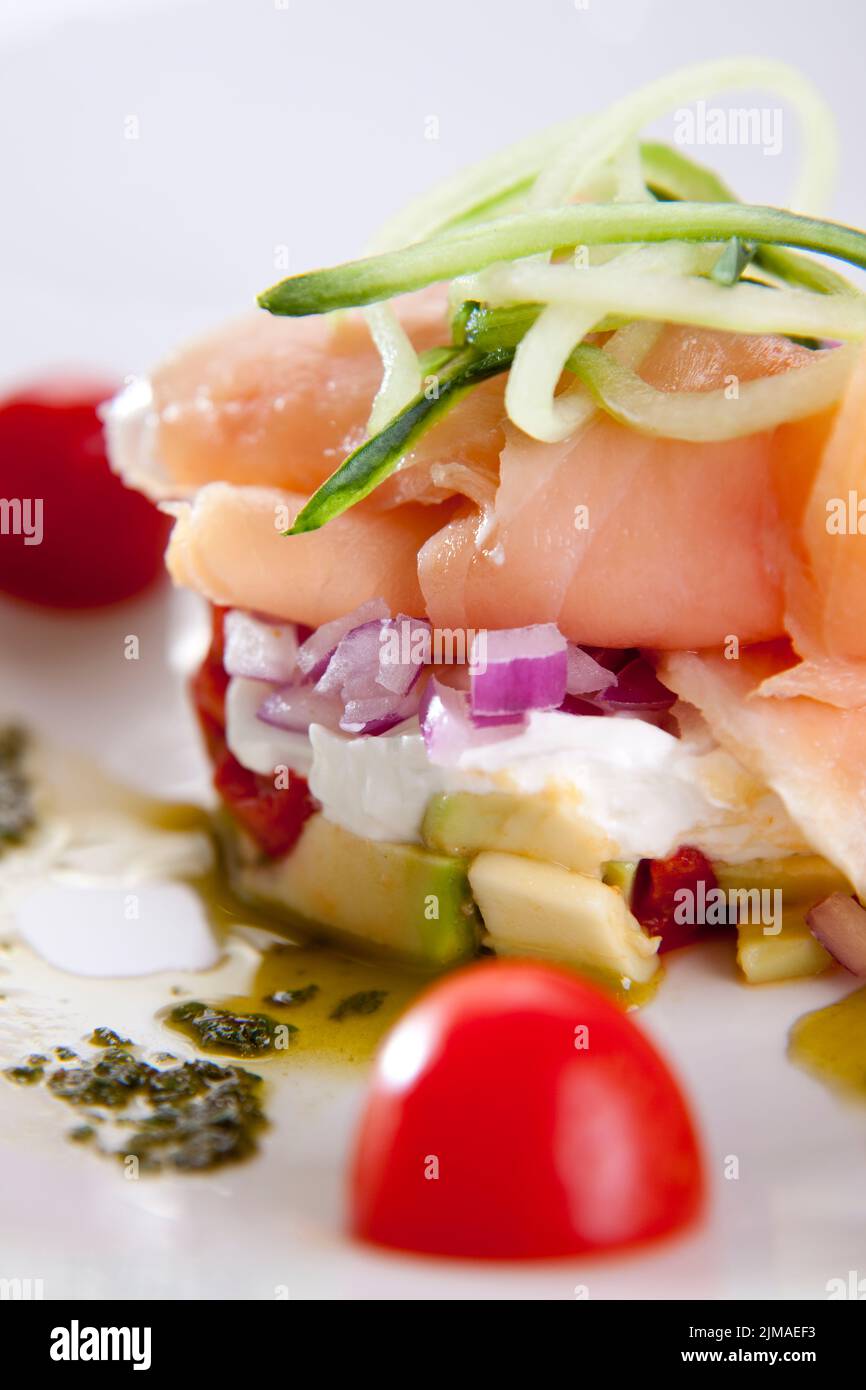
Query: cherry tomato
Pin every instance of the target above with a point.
(71, 534)
(517, 1112)
(654, 900)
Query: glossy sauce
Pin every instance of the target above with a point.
(831, 1043)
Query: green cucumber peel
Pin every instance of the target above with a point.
(530, 233)
(377, 458)
(736, 256)
(672, 175)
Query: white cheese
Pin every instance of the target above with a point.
(645, 790)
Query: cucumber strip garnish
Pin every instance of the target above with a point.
(736, 256)
(672, 175)
(709, 416)
(530, 233)
(378, 457)
(698, 416)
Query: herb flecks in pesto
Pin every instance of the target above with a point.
(192, 1116)
(106, 1037)
(220, 1030)
(366, 1001)
(25, 1075)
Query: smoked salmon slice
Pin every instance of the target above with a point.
(619, 538)
(627, 540)
(227, 545)
(808, 752)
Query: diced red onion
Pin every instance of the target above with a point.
(296, 707)
(513, 670)
(378, 715)
(405, 650)
(374, 671)
(612, 658)
(314, 654)
(573, 704)
(839, 923)
(448, 726)
(585, 675)
(262, 649)
(352, 670)
(637, 689)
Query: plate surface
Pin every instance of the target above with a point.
(248, 152)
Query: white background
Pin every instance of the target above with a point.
(301, 123)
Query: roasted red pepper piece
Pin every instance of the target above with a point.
(273, 815)
(654, 902)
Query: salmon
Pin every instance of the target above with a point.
(825, 608)
(624, 540)
(621, 539)
(278, 402)
(226, 544)
(811, 753)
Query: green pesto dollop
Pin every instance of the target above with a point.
(220, 1030)
(366, 1001)
(192, 1116)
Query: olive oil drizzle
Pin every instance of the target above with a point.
(831, 1043)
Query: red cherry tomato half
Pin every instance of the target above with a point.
(71, 534)
(518, 1112)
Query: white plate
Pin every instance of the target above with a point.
(271, 126)
(793, 1219)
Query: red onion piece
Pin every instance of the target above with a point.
(612, 658)
(449, 728)
(260, 648)
(638, 689)
(360, 667)
(573, 704)
(516, 669)
(314, 654)
(296, 707)
(839, 923)
(585, 675)
(378, 715)
(406, 646)
(352, 670)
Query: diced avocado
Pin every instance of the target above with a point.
(802, 878)
(619, 873)
(530, 908)
(543, 827)
(786, 956)
(392, 896)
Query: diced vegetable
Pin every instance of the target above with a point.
(518, 669)
(541, 827)
(316, 651)
(258, 648)
(764, 958)
(398, 897)
(531, 908)
(839, 923)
